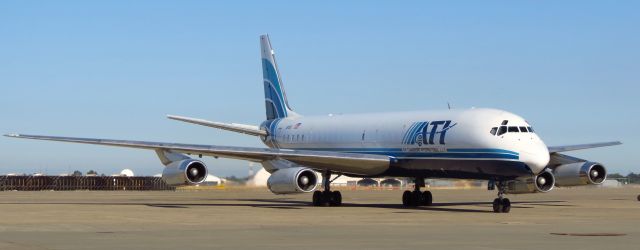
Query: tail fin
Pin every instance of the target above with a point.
(275, 98)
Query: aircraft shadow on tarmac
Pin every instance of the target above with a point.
(296, 204)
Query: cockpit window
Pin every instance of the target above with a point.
(502, 130)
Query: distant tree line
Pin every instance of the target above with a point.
(633, 177)
(79, 173)
(238, 180)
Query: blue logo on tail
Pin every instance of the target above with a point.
(275, 99)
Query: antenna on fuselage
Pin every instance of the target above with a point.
(449, 105)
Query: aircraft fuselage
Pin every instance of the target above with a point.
(439, 144)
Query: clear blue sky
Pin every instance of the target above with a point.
(114, 69)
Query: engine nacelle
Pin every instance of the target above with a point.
(542, 183)
(580, 173)
(185, 172)
(292, 180)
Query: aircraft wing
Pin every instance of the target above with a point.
(558, 149)
(558, 159)
(350, 163)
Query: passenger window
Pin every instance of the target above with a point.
(502, 130)
(494, 130)
(530, 129)
(523, 129)
(513, 129)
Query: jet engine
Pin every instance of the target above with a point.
(580, 173)
(185, 172)
(542, 183)
(292, 180)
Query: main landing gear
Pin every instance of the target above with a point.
(501, 204)
(417, 198)
(327, 197)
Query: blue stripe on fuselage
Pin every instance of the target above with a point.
(454, 155)
(457, 153)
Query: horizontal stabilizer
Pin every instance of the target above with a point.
(234, 127)
(557, 149)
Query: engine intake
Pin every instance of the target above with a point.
(292, 180)
(185, 172)
(580, 173)
(543, 182)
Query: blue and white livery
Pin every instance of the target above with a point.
(485, 144)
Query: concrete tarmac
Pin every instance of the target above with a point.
(577, 218)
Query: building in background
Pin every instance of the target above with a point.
(127, 172)
(213, 180)
(258, 178)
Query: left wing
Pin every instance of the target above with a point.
(358, 164)
(558, 149)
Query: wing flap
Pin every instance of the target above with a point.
(351, 163)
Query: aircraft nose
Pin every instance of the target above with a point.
(536, 157)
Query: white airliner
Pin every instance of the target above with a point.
(484, 144)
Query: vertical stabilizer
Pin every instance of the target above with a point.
(275, 98)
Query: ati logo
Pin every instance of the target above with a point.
(425, 133)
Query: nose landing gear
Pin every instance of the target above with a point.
(501, 204)
(417, 198)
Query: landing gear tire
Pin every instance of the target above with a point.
(427, 198)
(406, 198)
(416, 198)
(317, 198)
(506, 205)
(325, 199)
(336, 199)
(497, 205)
(501, 205)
